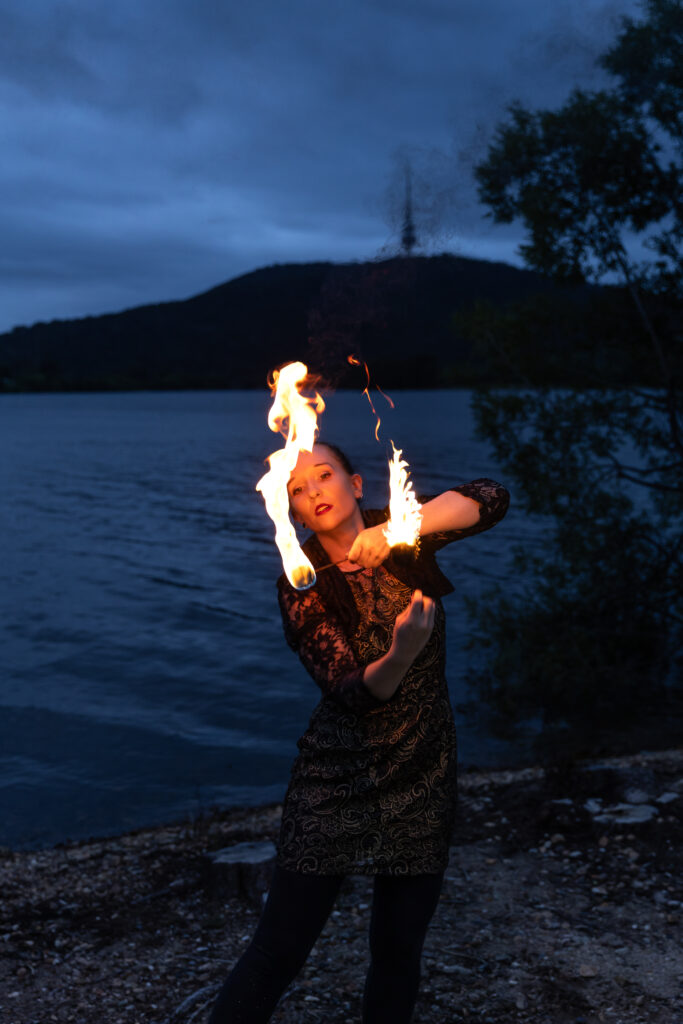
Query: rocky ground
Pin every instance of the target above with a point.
(562, 905)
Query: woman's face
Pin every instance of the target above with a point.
(322, 495)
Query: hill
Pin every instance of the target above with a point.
(400, 314)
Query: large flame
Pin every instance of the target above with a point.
(405, 512)
(295, 417)
(404, 509)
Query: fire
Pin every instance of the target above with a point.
(296, 417)
(405, 512)
(405, 515)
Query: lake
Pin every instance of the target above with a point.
(144, 675)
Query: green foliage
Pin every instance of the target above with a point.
(604, 167)
(576, 337)
(596, 633)
(576, 177)
(646, 59)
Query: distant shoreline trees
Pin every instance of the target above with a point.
(398, 313)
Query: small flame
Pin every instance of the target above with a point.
(355, 361)
(405, 512)
(296, 417)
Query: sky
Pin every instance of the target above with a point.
(152, 149)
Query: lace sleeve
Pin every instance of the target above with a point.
(493, 501)
(324, 649)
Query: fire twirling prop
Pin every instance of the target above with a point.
(405, 511)
(296, 417)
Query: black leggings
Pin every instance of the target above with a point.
(297, 907)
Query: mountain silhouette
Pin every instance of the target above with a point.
(397, 314)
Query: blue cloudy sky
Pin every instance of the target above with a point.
(154, 148)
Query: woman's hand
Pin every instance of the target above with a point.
(413, 627)
(370, 547)
(412, 630)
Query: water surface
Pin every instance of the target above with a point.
(144, 673)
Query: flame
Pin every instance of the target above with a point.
(355, 361)
(296, 417)
(405, 512)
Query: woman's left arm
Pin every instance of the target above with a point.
(449, 511)
(463, 511)
(455, 514)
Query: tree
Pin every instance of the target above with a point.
(597, 633)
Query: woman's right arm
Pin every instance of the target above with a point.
(327, 655)
(324, 649)
(412, 630)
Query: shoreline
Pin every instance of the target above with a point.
(616, 749)
(563, 902)
(653, 735)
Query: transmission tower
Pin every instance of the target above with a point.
(408, 236)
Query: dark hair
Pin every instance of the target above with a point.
(342, 457)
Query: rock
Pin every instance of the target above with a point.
(588, 971)
(636, 796)
(627, 814)
(244, 869)
(454, 969)
(667, 798)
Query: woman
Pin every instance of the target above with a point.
(373, 789)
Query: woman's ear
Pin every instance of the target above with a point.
(357, 482)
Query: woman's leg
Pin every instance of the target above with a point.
(297, 907)
(401, 911)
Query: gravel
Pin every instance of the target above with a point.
(559, 906)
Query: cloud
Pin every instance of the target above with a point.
(152, 150)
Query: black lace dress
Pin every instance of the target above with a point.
(373, 789)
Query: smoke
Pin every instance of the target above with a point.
(354, 305)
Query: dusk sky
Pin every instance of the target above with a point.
(154, 149)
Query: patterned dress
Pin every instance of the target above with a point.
(374, 787)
